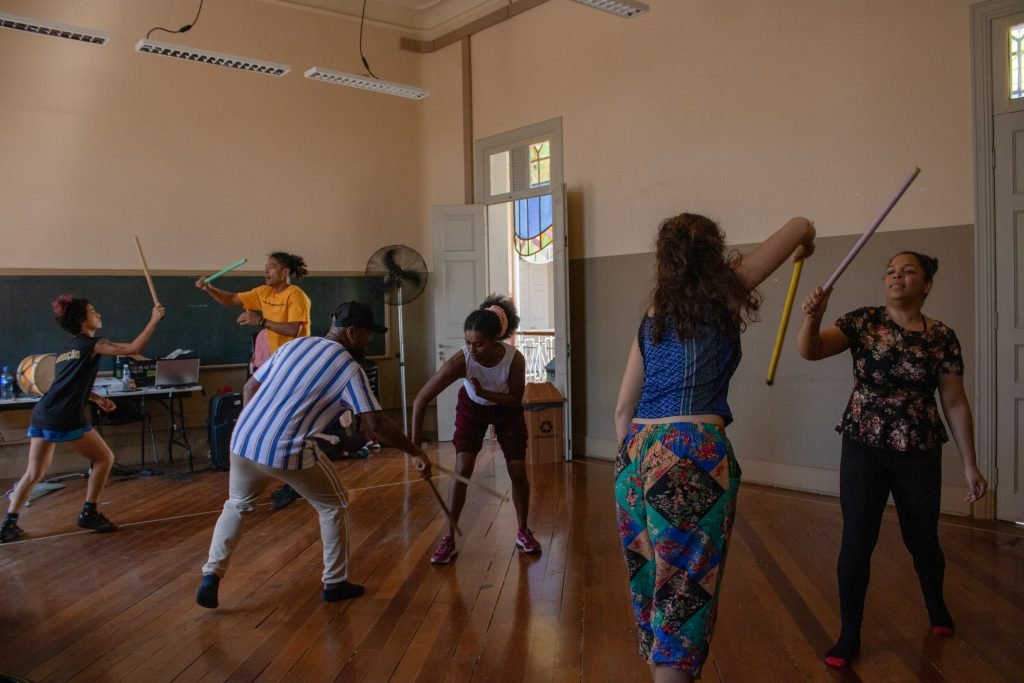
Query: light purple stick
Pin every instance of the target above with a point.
(869, 232)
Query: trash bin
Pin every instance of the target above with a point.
(542, 404)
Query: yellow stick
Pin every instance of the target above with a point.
(781, 335)
(470, 482)
(145, 269)
(447, 512)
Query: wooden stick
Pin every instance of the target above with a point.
(869, 232)
(784, 322)
(447, 512)
(145, 269)
(469, 482)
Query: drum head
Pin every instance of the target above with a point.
(36, 373)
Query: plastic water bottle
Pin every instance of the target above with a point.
(126, 378)
(6, 385)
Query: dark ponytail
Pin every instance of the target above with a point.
(295, 264)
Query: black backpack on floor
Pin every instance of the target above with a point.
(224, 412)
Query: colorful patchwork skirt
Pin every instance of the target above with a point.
(675, 492)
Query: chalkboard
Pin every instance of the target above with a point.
(194, 320)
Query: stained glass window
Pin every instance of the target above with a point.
(533, 228)
(540, 164)
(1016, 55)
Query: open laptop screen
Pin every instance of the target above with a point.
(177, 372)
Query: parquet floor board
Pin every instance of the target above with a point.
(120, 607)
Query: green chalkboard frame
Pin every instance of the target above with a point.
(194, 320)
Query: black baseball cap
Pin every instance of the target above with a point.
(355, 314)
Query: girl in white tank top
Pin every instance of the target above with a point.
(493, 376)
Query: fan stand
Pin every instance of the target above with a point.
(401, 358)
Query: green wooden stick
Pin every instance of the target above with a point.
(226, 270)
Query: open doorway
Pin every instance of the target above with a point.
(511, 241)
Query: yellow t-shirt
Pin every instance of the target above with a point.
(290, 305)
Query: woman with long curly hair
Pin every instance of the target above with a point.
(676, 475)
(60, 415)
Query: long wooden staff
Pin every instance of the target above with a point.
(869, 232)
(447, 512)
(784, 322)
(469, 482)
(145, 269)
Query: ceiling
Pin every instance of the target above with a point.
(423, 19)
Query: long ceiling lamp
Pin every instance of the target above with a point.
(53, 29)
(317, 73)
(368, 81)
(623, 8)
(191, 54)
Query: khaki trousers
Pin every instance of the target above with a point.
(318, 484)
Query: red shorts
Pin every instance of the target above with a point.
(472, 420)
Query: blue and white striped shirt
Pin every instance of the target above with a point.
(304, 388)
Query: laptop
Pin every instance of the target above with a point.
(176, 372)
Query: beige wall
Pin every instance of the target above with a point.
(749, 112)
(207, 164)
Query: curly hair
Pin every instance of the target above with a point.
(489, 323)
(295, 264)
(70, 312)
(696, 284)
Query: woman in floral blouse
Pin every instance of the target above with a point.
(892, 435)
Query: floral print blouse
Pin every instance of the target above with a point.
(896, 372)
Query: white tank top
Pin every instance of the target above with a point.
(491, 379)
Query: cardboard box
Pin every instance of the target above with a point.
(545, 424)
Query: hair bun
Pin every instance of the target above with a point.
(60, 305)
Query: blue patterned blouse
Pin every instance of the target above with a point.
(687, 377)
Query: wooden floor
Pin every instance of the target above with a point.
(120, 607)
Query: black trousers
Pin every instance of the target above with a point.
(866, 478)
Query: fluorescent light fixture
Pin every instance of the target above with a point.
(52, 28)
(317, 73)
(623, 8)
(191, 54)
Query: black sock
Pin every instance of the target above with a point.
(89, 509)
(11, 517)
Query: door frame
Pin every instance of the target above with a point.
(551, 129)
(983, 16)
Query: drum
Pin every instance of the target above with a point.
(36, 373)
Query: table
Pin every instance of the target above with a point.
(170, 398)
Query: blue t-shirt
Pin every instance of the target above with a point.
(689, 376)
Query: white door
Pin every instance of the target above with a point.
(1009, 250)
(1008, 187)
(460, 284)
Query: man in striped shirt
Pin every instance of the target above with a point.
(302, 389)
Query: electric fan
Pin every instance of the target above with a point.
(401, 275)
